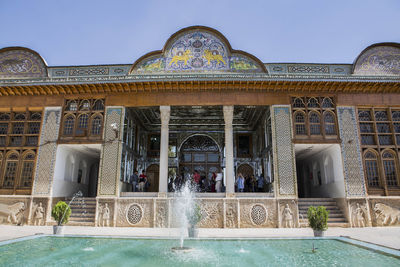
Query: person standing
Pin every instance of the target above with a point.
(260, 183)
(218, 182)
(196, 180)
(142, 181)
(134, 180)
(240, 183)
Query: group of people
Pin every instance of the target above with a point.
(139, 183)
(250, 183)
(201, 183)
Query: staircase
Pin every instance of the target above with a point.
(83, 211)
(336, 217)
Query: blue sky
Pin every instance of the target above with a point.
(83, 32)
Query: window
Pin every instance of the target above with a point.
(316, 119)
(244, 145)
(380, 140)
(82, 119)
(371, 169)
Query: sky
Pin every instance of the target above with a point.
(86, 32)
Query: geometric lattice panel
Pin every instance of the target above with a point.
(47, 152)
(351, 153)
(111, 155)
(284, 165)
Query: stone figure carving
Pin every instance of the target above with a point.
(12, 211)
(358, 216)
(287, 218)
(38, 215)
(230, 217)
(160, 218)
(210, 215)
(388, 213)
(106, 215)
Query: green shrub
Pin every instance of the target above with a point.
(61, 212)
(194, 215)
(318, 218)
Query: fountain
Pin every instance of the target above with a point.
(77, 194)
(185, 209)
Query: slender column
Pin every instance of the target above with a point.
(229, 168)
(163, 182)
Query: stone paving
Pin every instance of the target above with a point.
(384, 236)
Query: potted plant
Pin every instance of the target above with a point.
(194, 217)
(318, 219)
(60, 212)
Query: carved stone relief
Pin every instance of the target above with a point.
(211, 212)
(359, 214)
(385, 213)
(137, 212)
(288, 214)
(161, 214)
(257, 213)
(14, 211)
(231, 215)
(38, 213)
(105, 213)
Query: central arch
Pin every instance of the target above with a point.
(201, 153)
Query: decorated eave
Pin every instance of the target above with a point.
(196, 59)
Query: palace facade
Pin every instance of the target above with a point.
(315, 134)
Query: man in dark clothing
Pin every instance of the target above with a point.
(134, 180)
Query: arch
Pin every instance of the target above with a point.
(327, 103)
(98, 104)
(390, 167)
(27, 169)
(299, 119)
(10, 169)
(364, 115)
(72, 105)
(153, 176)
(96, 124)
(312, 103)
(69, 168)
(198, 134)
(5, 117)
(36, 116)
(329, 123)
(371, 168)
(19, 117)
(378, 59)
(213, 52)
(328, 170)
(84, 105)
(69, 124)
(314, 120)
(245, 169)
(21, 62)
(82, 124)
(298, 103)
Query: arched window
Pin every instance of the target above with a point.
(10, 172)
(36, 116)
(85, 105)
(389, 168)
(315, 123)
(298, 103)
(329, 122)
(312, 103)
(98, 105)
(69, 125)
(4, 117)
(19, 117)
(300, 123)
(82, 126)
(97, 122)
(396, 115)
(27, 169)
(327, 103)
(72, 106)
(364, 115)
(371, 168)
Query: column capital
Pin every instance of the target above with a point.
(228, 114)
(165, 112)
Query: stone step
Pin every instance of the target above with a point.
(73, 223)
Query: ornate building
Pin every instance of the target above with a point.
(324, 134)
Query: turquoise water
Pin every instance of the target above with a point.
(78, 251)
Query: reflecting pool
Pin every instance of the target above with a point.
(93, 251)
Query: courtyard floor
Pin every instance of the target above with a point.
(384, 236)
